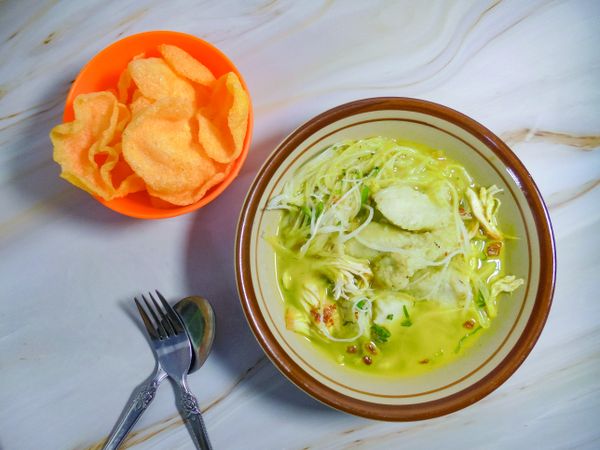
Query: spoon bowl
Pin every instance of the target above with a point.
(199, 322)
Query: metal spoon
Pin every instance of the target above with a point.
(199, 322)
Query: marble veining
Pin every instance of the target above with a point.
(71, 347)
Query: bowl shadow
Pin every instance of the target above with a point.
(210, 272)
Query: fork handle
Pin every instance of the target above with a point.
(137, 405)
(193, 417)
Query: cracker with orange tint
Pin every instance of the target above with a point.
(139, 103)
(105, 152)
(123, 118)
(160, 147)
(186, 65)
(156, 80)
(222, 125)
(117, 174)
(125, 82)
(124, 85)
(77, 143)
(191, 196)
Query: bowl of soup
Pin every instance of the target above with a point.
(395, 259)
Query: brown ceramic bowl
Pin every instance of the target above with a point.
(495, 356)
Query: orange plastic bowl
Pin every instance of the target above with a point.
(102, 73)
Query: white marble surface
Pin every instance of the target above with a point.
(70, 351)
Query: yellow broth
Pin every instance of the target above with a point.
(437, 335)
(388, 256)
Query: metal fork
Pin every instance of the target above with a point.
(174, 354)
(139, 402)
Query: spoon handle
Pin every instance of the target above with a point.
(193, 417)
(139, 402)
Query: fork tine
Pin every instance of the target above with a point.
(175, 319)
(168, 326)
(161, 329)
(149, 327)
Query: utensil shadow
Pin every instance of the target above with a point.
(35, 176)
(210, 273)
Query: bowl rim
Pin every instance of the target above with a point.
(213, 192)
(472, 393)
